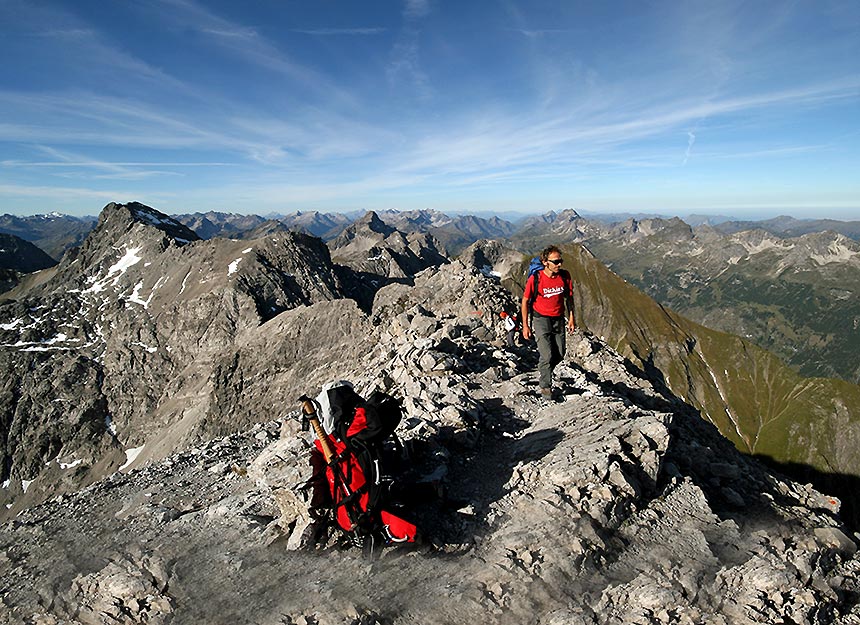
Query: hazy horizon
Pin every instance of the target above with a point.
(511, 215)
(724, 107)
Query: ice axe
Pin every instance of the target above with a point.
(310, 417)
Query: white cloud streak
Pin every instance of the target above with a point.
(248, 45)
(416, 9)
(405, 65)
(691, 139)
(326, 32)
(513, 141)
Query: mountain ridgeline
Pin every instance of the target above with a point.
(156, 317)
(150, 433)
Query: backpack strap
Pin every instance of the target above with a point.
(535, 277)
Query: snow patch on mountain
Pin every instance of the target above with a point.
(131, 455)
(184, 281)
(146, 347)
(115, 271)
(11, 325)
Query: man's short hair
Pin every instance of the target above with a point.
(547, 251)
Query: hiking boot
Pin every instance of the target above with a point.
(314, 534)
(546, 393)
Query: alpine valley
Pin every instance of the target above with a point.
(152, 463)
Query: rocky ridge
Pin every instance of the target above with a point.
(616, 504)
(790, 227)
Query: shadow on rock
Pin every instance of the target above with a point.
(478, 473)
(362, 286)
(843, 486)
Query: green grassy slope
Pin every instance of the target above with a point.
(808, 317)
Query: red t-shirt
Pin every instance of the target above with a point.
(550, 298)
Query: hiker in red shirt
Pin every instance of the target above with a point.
(546, 296)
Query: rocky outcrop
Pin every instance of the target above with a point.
(370, 246)
(120, 353)
(494, 258)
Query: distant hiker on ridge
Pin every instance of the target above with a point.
(510, 323)
(548, 291)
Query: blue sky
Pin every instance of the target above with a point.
(749, 109)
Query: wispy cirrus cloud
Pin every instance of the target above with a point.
(691, 139)
(88, 119)
(81, 51)
(405, 64)
(329, 32)
(63, 193)
(68, 164)
(512, 149)
(505, 141)
(542, 32)
(231, 33)
(415, 9)
(247, 44)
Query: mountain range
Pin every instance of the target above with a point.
(788, 285)
(190, 303)
(153, 461)
(53, 233)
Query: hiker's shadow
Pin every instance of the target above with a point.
(478, 474)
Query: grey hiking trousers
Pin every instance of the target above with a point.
(549, 333)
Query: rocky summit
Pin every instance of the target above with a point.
(154, 464)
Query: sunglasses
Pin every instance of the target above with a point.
(555, 262)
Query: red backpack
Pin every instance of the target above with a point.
(359, 480)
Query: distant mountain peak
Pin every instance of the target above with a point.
(568, 214)
(372, 221)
